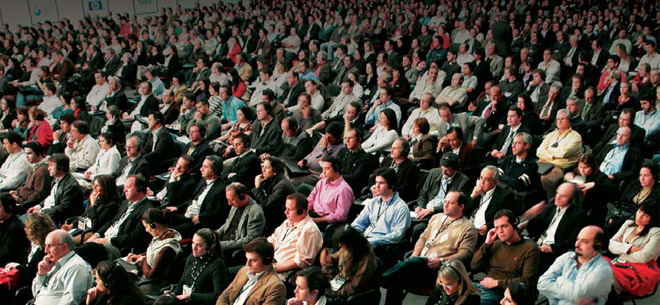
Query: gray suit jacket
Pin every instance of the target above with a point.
(250, 226)
(472, 126)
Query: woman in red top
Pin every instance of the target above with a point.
(237, 84)
(40, 130)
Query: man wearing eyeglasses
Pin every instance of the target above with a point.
(561, 148)
(63, 277)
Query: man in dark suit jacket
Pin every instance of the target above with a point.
(134, 163)
(503, 145)
(112, 63)
(453, 143)
(502, 35)
(207, 208)
(267, 135)
(66, 196)
(519, 170)
(626, 119)
(245, 167)
(63, 69)
(14, 245)
(126, 232)
(592, 114)
(487, 199)
(128, 72)
(295, 88)
(179, 185)
(557, 226)
(118, 96)
(438, 183)
(159, 145)
(198, 148)
(145, 104)
(629, 167)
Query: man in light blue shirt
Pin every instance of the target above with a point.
(649, 119)
(385, 218)
(580, 277)
(384, 101)
(230, 105)
(614, 160)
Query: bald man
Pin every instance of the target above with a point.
(582, 276)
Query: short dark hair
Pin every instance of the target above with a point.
(517, 110)
(423, 125)
(13, 138)
(301, 201)
(262, 248)
(61, 162)
(82, 126)
(36, 148)
(68, 117)
(511, 217)
(389, 175)
(458, 130)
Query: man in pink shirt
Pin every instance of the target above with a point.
(332, 197)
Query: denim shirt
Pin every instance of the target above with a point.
(565, 284)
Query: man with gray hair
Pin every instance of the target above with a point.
(488, 198)
(63, 277)
(560, 149)
(519, 169)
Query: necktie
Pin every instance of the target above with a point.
(507, 142)
(545, 112)
(201, 190)
(585, 111)
(487, 113)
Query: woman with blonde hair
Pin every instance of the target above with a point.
(454, 286)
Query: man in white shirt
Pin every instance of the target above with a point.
(487, 199)
(424, 111)
(81, 149)
(50, 100)
(15, 169)
(63, 277)
(651, 57)
(551, 67)
(264, 82)
(99, 91)
(341, 101)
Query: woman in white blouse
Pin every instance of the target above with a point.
(384, 135)
(106, 162)
(637, 241)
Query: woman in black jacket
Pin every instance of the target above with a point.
(597, 188)
(205, 275)
(102, 207)
(114, 286)
(270, 191)
(114, 125)
(453, 286)
(7, 112)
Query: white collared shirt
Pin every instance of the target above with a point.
(480, 216)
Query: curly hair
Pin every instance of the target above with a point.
(37, 227)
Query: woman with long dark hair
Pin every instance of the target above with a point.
(530, 118)
(237, 84)
(637, 243)
(7, 112)
(102, 207)
(596, 188)
(205, 275)
(355, 260)
(270, 190)
(114, 286)
(384, 135)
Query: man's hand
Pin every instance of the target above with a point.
(634, 249)
(545, 249)
(491, 236)
(489, 282)
(434, 263)
(45, 265)
(473, 143)
(324, 141)
(482, 230)
(195, 219)
(476, 191)
(171, 209)
(423, 213)
(183, 297)
(225, 126)
(198, 116)
(33, 209)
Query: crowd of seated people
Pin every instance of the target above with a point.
(474, 152)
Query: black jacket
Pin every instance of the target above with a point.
(407, 175)
(118, 99)
(164, 148)
(567, 230)
(140, 166)
(14, 245)
(198, 154)
(214, 209)
(502, 199)
(179, 190)
(101, 213)
(118, 131)
(68, 199)
(629, 168)
(208, 284)
(131, 236)
(244, 169)
(266, 139)
(356, 168)
(150, 104)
